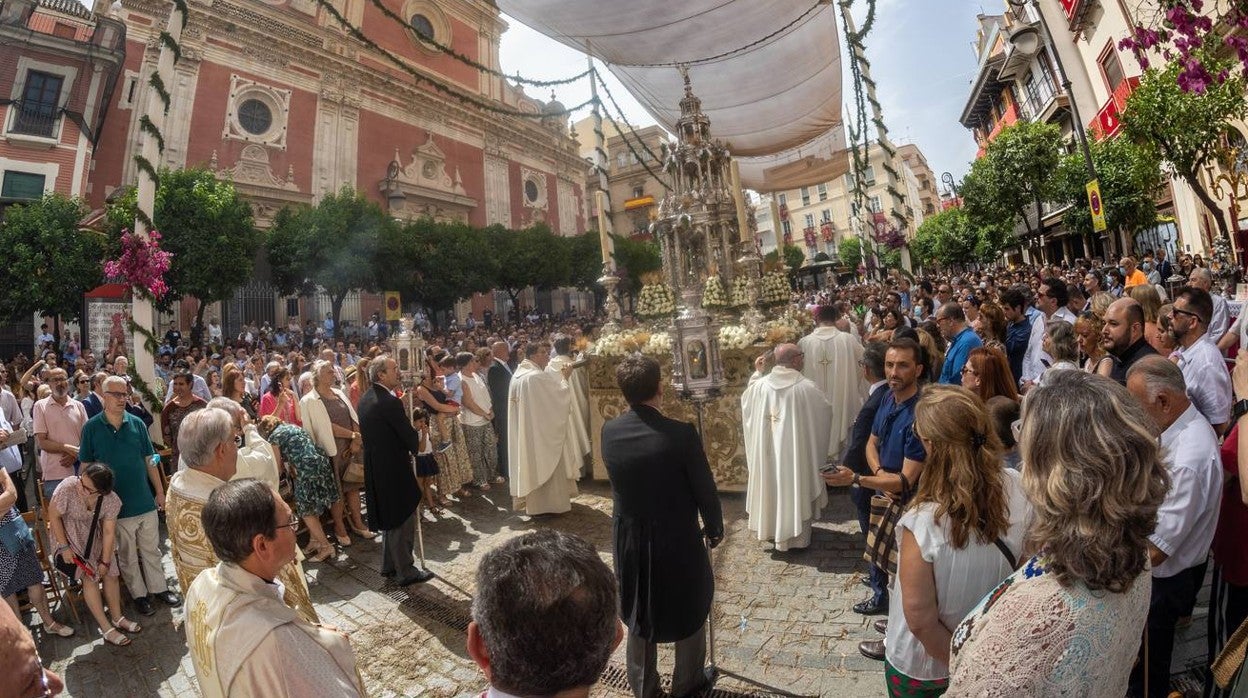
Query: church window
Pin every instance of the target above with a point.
(530, 191)
(255, 117)
(422, 26)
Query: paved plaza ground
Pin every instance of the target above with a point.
(783, 621)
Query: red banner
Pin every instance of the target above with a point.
(827, 231)
(809, 235)
(784, 212)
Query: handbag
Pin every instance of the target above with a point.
(69, 569)
(354, 474)
(881, 532)
(15, 536)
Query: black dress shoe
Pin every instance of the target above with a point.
(872, 649)
(388, 573)
(709, 675)
(418, 577)
(881, 626)
(871, 607)
(169, 599)
(144, 606)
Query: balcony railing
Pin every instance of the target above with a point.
(1109, 119)
(34, 119)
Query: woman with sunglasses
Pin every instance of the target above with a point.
(70, 513)
(82, 385)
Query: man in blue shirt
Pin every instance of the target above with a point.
(1018, 331)
(962, 339)
(892, 450)
(119, 440)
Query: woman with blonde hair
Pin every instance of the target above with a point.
(1161, 339)
(1099, 303)
(1086, 588)
(987, 374)
(1150, 302)
(360, 384)
(960, 536)
(1088, 339)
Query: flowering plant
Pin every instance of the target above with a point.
(714, 296)
(660, 343)
(655, 301)
(633, 341)
(1181, 29)
(142, 264)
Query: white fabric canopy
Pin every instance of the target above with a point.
(776, 104)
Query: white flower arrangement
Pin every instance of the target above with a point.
(713, 295)
(740, 292)
(660, 343)
(775, 289)
(655, 301)
(735, 337)
(781, 331)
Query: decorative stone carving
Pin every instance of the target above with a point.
(423, 187)
(275, 100)
(533, 189)
(253, 167)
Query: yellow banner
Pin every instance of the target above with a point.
(1096, 205)
(394, 308)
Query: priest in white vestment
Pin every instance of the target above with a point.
(578, 425)
(244, 640)
(785, 416)
(542, 462)
(209, 462)
(831, 361)
(255, 455)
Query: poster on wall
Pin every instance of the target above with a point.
(107, 321)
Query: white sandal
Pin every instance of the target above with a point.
(128, 625)
(113, 636)
(58, 629)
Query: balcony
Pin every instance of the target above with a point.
(1009, 118)
(37, 120)
(1108, 120)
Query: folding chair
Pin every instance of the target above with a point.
(52, 582)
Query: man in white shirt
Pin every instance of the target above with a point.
(1052, 300)
(1221, 317)
(1204, 371)
(1179, 546)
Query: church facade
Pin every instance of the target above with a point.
(279, 97)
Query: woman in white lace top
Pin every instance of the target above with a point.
(1069, 622)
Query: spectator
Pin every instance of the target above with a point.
(1052, 299)
(24, 674)
(987, 374)
(316, 488)
(855, 455)
(1228, 597)
(19, 568)
(1004, 413)
(1179, 546)
(176, 409)
(119, 439)
(1123, 336)
(991, 326)
(1018, 332)
(1131, 275)
(1220, 319)
(1083, 439)
(962, 340)
(474, 418)
(279, 400)
(957, 539)
(71, 511)
(1060, 345)
(544, 620)
(248, 642)
(1204, 371)
(330, 419)
(1088, 340)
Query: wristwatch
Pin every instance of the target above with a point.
(857, 480)
(1239, 410)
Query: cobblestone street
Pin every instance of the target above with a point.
(783, 621)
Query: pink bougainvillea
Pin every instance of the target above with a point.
(142, 264)
(1182, 28)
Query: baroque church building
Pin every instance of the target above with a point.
(277, 96)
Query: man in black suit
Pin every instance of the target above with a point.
(855, 455)
(661, 483)
(498, 378)
(390, 487)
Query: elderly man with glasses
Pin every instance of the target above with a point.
(58, 422)
(119, 439)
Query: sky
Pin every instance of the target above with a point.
(921, 58)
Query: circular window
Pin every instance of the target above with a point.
(255, 117)
(530, 191)
(422, 26)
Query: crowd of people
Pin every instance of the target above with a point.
(1044, 464)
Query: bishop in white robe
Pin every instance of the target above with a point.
(578, 424)
(831, 361)
(542, 461)
(785, 417)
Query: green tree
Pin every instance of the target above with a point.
(584, 260)
(1129, 176)
(532, 256)
(850, 252)
(209, 229)
(634, 259)
(437, 263)
(1013, 179)
(948, 237)
(49, 263)
(794, 258)
(1186, 128)
(339, 245)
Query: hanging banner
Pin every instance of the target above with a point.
(1096, 205)
(394, 308)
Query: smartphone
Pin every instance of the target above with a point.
(829, 468)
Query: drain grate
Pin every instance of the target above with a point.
(454, 615)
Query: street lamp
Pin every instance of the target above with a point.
(1027, 41)
(950, 182)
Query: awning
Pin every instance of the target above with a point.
(776, 101)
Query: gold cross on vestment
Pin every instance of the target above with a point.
(515, 400)
(774, 417)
